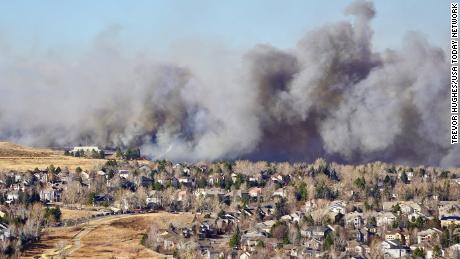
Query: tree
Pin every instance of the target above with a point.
(281, 208)
(404, 177)
(118, 153)
(302, 192)
(132, 153)
(444, 174)
(235, 238)
(53, 214)
(419, 252)
(437, 251)
(51, 169)
(324, 192)
(111, 162)
(360, 182)
(396, 208)
(328, 241)
(92, 198)
(280, 231)
(308, 219)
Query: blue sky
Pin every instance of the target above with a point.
(155, 25)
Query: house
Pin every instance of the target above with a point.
(385, 219)
(102, 173)
(41, 177)
(280, 193)
(354, 219)
(410, 207)
(234, 177)
(296, 216)
(355, 247)
(50, 194)
(255, 192)
(338, 207)
(318, 232)
(315, 244)
(102, 199)
(146, 181)
(84, 175)
(182, 195)
(415, 215)
(351, 246)
(409, 174)
(278, 179)
(388, 205)
(427, 235)
(251, 239)
(168, 240)
(123, 173)
(265, 226)
(252, 180)
(4, 232)
(292, 251)
(18, 187)
(153, 200)
(265, 211)
(245, 255)
(184, 180)
(394, 249)
(213, 179)
(207, 231)
(85, 149)
(186, 171)
(398, 235)
(312, 253)
(450, 220)
(454, 251)
(310, 206)
(12, 196)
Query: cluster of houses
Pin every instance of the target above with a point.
(265, 213)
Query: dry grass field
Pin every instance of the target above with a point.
(17, 157)
(76, 214)
(117, 236)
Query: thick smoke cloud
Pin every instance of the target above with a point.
(333, 96)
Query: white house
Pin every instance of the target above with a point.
(394, 249)
(85, 149)
(428, 234)
(4, 232)
(338, 207)
(385, 218)
(354, 219)
(280, 192)
(123, 173)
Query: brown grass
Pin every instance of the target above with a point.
(117, 236)
(50, 240)
(21, 158)
(76, 214)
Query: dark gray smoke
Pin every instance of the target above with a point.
(333, 96)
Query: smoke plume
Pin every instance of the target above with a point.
(333, 95)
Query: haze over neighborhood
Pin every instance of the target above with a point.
(333, 95)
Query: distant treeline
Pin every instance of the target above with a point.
(129, 154)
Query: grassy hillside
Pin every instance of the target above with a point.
(17, 157)
(118, 236)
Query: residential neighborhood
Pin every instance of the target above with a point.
(246, 209)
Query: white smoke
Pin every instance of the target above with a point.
(333, 95)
